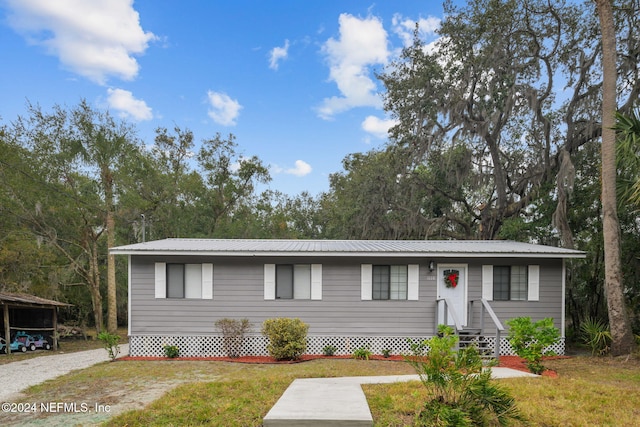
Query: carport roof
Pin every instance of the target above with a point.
(28, 300)
(346, 248)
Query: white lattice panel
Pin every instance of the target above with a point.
(256, 345)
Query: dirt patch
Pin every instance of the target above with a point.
(93, 408)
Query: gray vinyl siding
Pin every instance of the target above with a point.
(238, 292)
(550, 300)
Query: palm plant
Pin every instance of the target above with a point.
(628, 156)
(461, 391)
(596, 334)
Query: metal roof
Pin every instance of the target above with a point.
(288, 247)
(25, 299)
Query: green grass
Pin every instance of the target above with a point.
(244, 393)
(588, 391)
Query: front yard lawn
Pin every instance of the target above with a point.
(588, 391)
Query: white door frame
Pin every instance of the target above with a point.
(464, 283)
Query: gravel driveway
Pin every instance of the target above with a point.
(17, 376)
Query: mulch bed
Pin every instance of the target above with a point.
(264, 359)
(513, 362)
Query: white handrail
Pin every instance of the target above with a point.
(499, 328)
(492, 314)
(448, 306)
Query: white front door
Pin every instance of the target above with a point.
(452, 284)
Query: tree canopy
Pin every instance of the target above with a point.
(498, 136)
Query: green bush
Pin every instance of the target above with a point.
(461, 392)
(529, 339)
(597, 336)
(329, 350)
(386, 353)
(110, 342)
(171, 351)
(287, 337)
(362, 353)
(233, 332)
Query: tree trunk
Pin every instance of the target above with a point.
(622, 336)
(112, 309)
(93, 280)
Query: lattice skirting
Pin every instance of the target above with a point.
(256, 345)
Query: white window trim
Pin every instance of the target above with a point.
(270, 282)
(161, 281)
(533, 282)
(366, 282)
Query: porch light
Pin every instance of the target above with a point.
(431, 266)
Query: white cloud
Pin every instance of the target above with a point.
(224, 110)
(378, 127)
(95, 39)
(301, 168)
(362, 43)
(128, 106)
(277, 54)
(405, 27)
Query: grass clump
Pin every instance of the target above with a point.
(362, 353)
(329, 350)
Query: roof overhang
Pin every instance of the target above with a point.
(345, 248)
(25, 300)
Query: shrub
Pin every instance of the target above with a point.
(362, 353)
(233, 332)
(171, 351)
(596, 335)
(445, 330)
(287, 337)
(529, 339)
(461, 392)
(110, 342)
(386, 353)
(329, 350)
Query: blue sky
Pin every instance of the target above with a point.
(292, 80)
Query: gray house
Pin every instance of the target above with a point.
(351, 293)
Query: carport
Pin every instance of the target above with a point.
(22, 312)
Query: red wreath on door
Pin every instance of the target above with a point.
(451, 278)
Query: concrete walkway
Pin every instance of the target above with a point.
(338, 401)
(19, 375)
